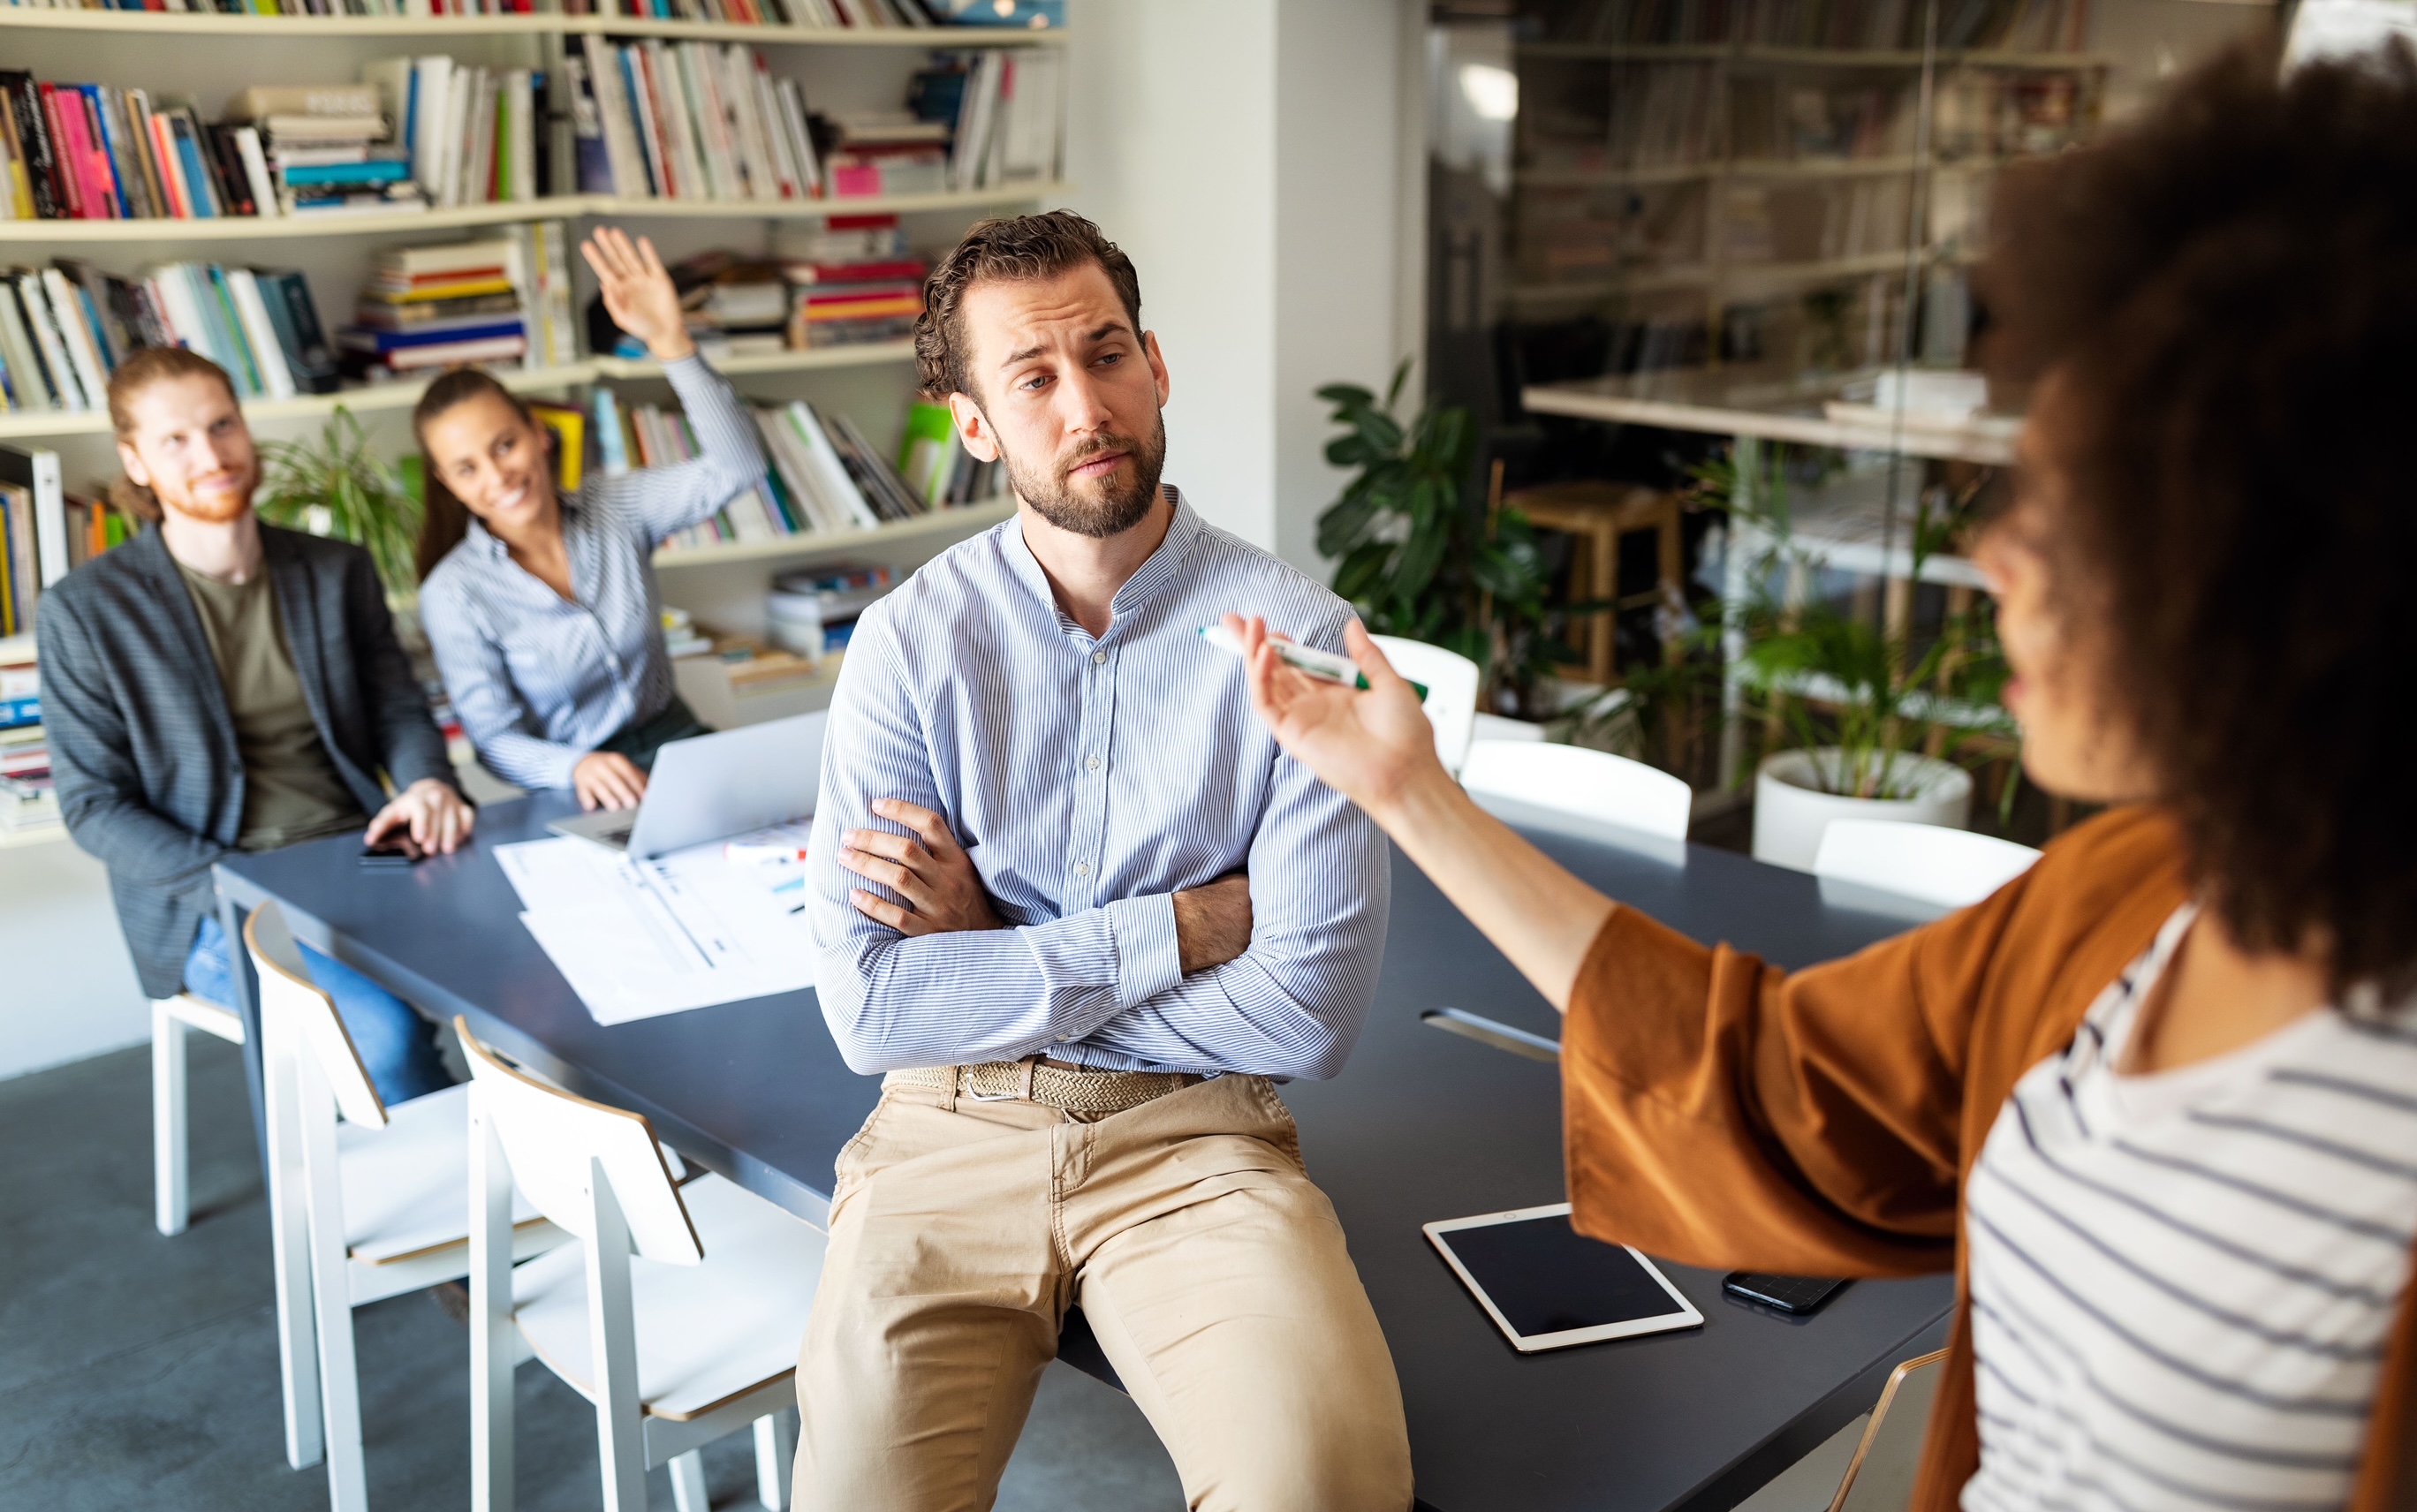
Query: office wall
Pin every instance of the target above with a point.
(1247, 155)
(66, 986)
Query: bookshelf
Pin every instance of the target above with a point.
(508, 212)
(1739, 199)
(200, 24)
(939, 528)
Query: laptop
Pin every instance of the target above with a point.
(711, 787)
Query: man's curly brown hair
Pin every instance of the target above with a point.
(2225, 296)
(1007, 248)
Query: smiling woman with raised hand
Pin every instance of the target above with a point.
(541, 605)
(2154, 1102)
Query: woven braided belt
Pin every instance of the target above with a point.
(1083, 1093)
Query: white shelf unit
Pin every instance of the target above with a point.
(206, 24)
(28, 424)
(923, 530)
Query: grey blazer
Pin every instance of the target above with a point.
(144, 751)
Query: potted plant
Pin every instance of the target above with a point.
(337, 486)
(1417, 555)
(1873, 730)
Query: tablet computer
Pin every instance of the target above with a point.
(1548, 1286)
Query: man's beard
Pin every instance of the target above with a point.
(212, 508)
(1110, 513)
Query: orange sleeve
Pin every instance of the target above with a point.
(1722, 1112)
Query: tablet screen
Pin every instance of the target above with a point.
(1547, 1284)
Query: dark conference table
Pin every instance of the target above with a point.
(1421, 1125)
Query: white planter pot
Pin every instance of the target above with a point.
(1791, 812)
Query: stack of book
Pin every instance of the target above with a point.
(426, 308)
(835, 13)
(469, 134)
(687, 121)
(887, 152)
(1010, 120)
(28, 798)
(96, 152)
(840, 304)
(542, 252)
(813, 611)
(324, 150)
(64, 329)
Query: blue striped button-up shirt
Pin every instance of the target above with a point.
(1090, 780)
(541, 680)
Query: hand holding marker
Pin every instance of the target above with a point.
(1326, 666)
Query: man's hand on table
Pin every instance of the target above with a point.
(943, 893)
(928, 868)
(437, 818)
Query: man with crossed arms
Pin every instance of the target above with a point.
(1070, 896)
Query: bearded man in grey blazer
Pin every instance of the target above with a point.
(218, 684)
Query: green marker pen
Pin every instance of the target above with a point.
(1326, 666)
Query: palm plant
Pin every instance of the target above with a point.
(1419, 557)
(337, 486)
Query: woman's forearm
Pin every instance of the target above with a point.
(1533, 910)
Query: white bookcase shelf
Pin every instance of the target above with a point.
(210, 24)
(961, 522)
(23, 424)
(554, 207)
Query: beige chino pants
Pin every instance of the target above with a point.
(1213, 1273)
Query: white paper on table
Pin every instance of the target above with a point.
(635, 939)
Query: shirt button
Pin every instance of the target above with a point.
(1082, 869)
(1093, 765)
(1099, 659)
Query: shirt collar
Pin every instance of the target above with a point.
(1153, 574)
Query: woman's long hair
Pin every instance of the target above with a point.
(444, 520)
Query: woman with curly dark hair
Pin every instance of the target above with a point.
(2154, 1102)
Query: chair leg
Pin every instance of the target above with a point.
(773, 1453)
(289, 1240)
(340, 1385)
(170, 1167)
(688, 1482)
(613, 1346)
(494, 1341)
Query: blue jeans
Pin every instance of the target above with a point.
(396, 1044)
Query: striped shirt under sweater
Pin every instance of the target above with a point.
(539, 680)
(1090, 780)
(2183, 1283)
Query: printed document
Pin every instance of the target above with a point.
(716, 923)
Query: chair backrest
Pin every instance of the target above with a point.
(1880, 1477)
(1949, 866)
(290, 1000)
(1450, 680)
(1590, 784)
(553, 1139)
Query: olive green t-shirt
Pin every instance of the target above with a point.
(291, 789)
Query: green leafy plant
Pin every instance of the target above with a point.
(1835, 682)
(1418, 557)
(336, 486)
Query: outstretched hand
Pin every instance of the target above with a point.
(1371, 746)
(638, 294)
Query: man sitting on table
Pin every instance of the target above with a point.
(1067, 893)
(217, 684)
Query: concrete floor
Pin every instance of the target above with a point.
(141, 1371)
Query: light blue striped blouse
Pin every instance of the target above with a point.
(538, 680)
(1091, 780)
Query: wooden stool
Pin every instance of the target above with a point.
(1600, 513)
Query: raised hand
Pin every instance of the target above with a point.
(1370, 745)
(638, 294)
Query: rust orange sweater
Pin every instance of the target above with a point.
(1820, 1122)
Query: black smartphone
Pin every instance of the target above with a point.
(1797, 1295)
(397, 850)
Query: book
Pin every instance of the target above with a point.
(37, 470)
(263, 102)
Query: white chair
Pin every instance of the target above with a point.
(1954, 868)
(1880, 1477)
(694, 1338)
(171, 1164)
(360, 1211)
(1451, 681)
(1587, 784)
